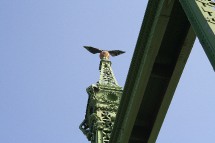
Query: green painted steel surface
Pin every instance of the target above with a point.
(201, 14)
(164, 43)
(102, 106)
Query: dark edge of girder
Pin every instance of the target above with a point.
(149, 18)
(133, 72)
(182, 58)
(188, 39)
(152, 124)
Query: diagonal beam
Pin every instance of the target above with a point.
(143, 59)
(201, 14)
(164, 43)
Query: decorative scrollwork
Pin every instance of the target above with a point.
(86, 130)
(110, 98)
(208, 9)
(108, 126)
(106, 74)
(104, 97)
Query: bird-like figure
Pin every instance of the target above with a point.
(104, 53)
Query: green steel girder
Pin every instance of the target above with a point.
(164, 44)
(201, 14)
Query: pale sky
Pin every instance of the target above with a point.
(45, 70)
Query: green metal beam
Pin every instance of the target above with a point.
(136, 82)
(164, 43)
(201, 14)
(178, 69)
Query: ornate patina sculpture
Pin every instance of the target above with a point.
(103, 101)
(104, 53)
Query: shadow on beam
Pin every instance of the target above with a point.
(164, 44)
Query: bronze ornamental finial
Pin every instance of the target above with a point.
(104, 54)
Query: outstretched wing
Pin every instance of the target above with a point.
(92, 49)
(115, 52)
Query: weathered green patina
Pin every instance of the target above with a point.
(102, 106)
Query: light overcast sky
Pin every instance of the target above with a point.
(45, 70)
